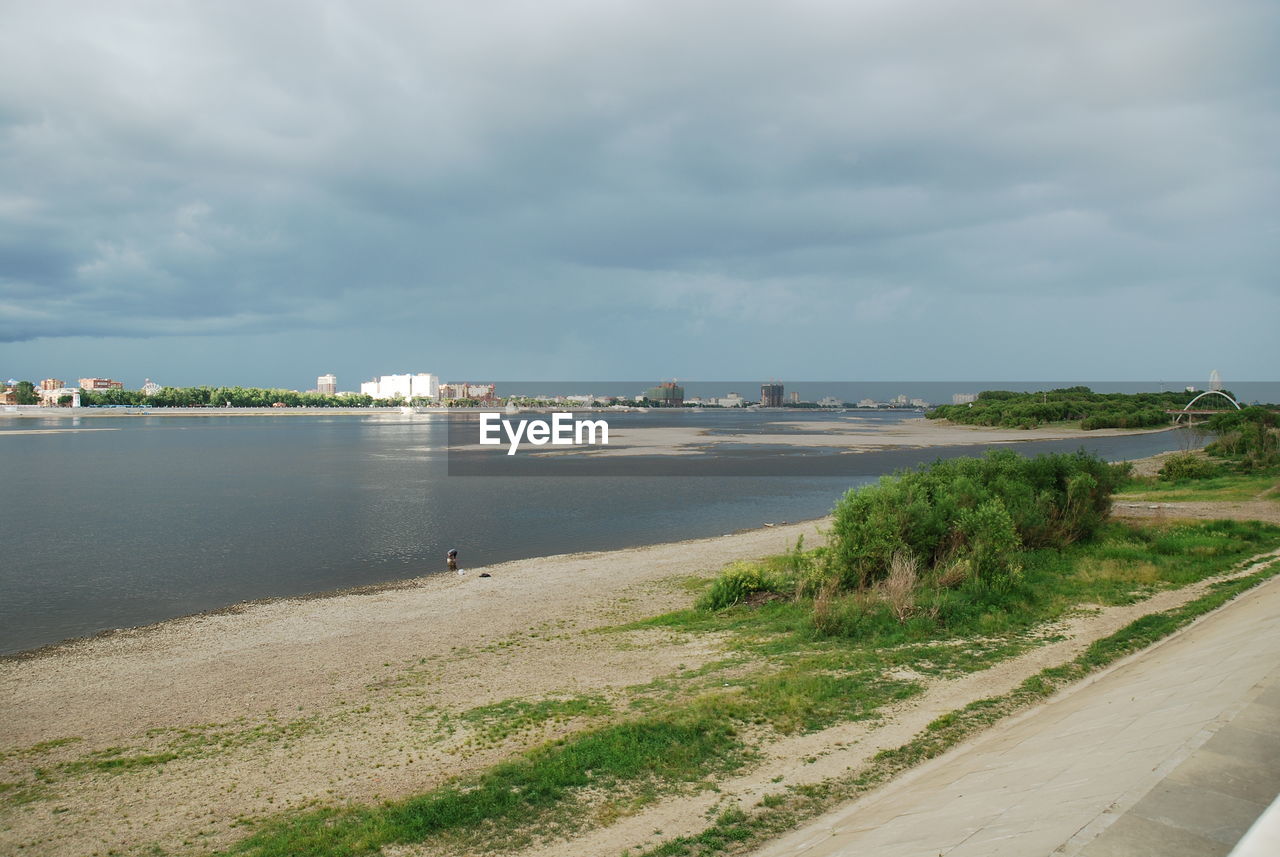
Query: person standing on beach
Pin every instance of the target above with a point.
(451, 560)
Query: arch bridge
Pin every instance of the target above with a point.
(1186, 409)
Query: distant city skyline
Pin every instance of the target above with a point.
(332, 383)
(878, 190)
(915, 393)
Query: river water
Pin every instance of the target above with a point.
(128, 521)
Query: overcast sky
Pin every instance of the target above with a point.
(257, 193)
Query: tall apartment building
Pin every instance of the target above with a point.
(423, 385)
(327, 385)
(95, 384)
(483, 392)
(51, 384)
(668, 394)
(770, 395)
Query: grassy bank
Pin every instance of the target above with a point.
(737, 831)
(782, 674)
(1221, 488)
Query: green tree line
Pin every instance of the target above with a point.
(218, 397)
(1092, 410)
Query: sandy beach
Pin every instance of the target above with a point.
(348, 679)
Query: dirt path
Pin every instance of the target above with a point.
(1253, 510)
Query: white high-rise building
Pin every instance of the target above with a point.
(327, 385)
(423, 385)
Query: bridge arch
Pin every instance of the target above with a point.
(1187, 407)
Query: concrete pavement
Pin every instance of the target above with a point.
(1173, 751)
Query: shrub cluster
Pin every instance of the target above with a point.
(973, 513)
(943, 543)
(1187, 465)
(1249, 437)
(1094, 410)
(738, 582)
(1145, 418)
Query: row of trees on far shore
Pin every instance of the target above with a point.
(219, 397)
(1071, 404)
(247, 397)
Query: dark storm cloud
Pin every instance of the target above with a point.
(235, 168)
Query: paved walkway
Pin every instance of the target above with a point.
(1172, 752)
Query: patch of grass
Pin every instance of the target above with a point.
(37, 749)
(1228, 488)
(746, 622)
(115, 760)
(17, 794)
(677, 749)
(801, 699)
(501, 720)
(166, 745)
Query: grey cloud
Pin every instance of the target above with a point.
(209, 169)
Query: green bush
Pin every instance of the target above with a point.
(739, 580)
(991, 543)
(982, 510)
(1187, 466)
(1249, 436)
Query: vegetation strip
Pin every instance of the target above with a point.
(673, 749)
(736, 831)
(1070, 404)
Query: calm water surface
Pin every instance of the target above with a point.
(165, 516)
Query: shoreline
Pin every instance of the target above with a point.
(433, 579)
(181, 668)
(404, 583)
